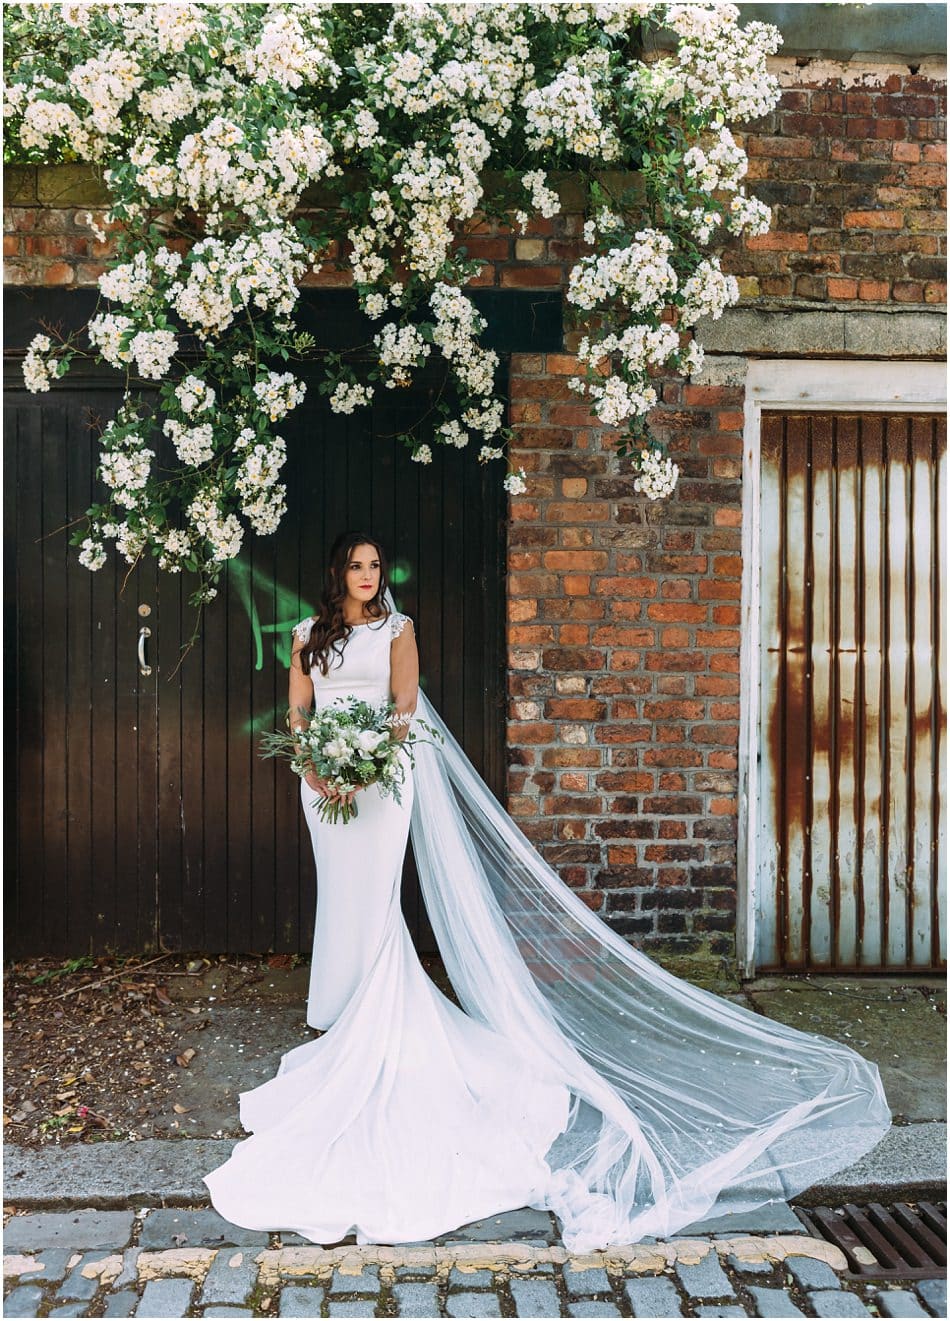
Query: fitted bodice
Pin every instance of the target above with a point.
(363, 669)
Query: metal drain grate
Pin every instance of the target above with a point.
(907, 1241)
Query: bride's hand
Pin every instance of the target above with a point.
(322, 787)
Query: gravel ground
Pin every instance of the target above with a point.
(104, 1049)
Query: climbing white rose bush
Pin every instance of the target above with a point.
(208, 123)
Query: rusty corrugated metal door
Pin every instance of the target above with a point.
(852, 742)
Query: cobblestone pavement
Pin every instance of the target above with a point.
(174, 1262)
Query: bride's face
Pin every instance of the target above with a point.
(362, 574)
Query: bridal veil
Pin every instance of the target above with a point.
(684, 1105)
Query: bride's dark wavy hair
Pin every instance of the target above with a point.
(330, 627)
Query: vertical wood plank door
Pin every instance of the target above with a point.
(851, 850)
(142, 817)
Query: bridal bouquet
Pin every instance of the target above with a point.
(350, 744)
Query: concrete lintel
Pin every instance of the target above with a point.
(848, 31)
(789, 331)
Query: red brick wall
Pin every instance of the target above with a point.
(856, 178)
(623, 616)
(623, 641)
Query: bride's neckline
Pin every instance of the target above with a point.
(364, 622)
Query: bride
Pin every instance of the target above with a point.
(581, 1077)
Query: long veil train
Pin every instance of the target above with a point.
(684, 1105)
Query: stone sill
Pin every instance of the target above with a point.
(81, 184)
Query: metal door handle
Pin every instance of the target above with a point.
(144, 632)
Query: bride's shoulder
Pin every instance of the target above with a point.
(397, 622)
(302, 630)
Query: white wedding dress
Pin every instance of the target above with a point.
(407, 1118)
(581, 1078)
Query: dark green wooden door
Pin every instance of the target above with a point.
(144, 816)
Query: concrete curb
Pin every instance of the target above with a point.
(911, 1161)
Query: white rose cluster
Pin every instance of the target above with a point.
(437, 191)
(130, 283)
(38, 364)
(747, 215)
(106, 83)
(126, 471)
(291, 49)
(436, 56)
(153, 351)
(640, 274)
(457, 326)
(193, 445)
(254, 271)
(277, 393)
(722, 65)
(400, 349)
(221, 165)
(350, 395)
(708, 292)
(453, 433)
(263, 498)
(515, 483)
(194, 395)
(720, 165)
(544, 199)
(656, 475)
(223, 532)
(177, 544)
(210, 122)
(92, 554)
(567, 113)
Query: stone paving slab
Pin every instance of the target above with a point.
(165, 1298)
(706, 1279)
(231, 1278)
(420, 1300)
(472, 1305)
(299, 1301)
(152, 1172)
(898, 1303)
(459, 1279)
(811, 1274)
(655, 1297)
(772, 1218)
(934, 1294)
(49, 1265)
(511, 1225)
(122, 1303)
(535, 1297)
(23, 1301)
(837, 1303)
(364, 1281)
(773, 1302)
(68, 1229)
(592, 1280)
(168, 1227)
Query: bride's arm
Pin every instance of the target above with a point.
(300, 694)
(300, 690)
(404, 676)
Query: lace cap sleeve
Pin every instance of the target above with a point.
(302, 630)
(397, 623)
